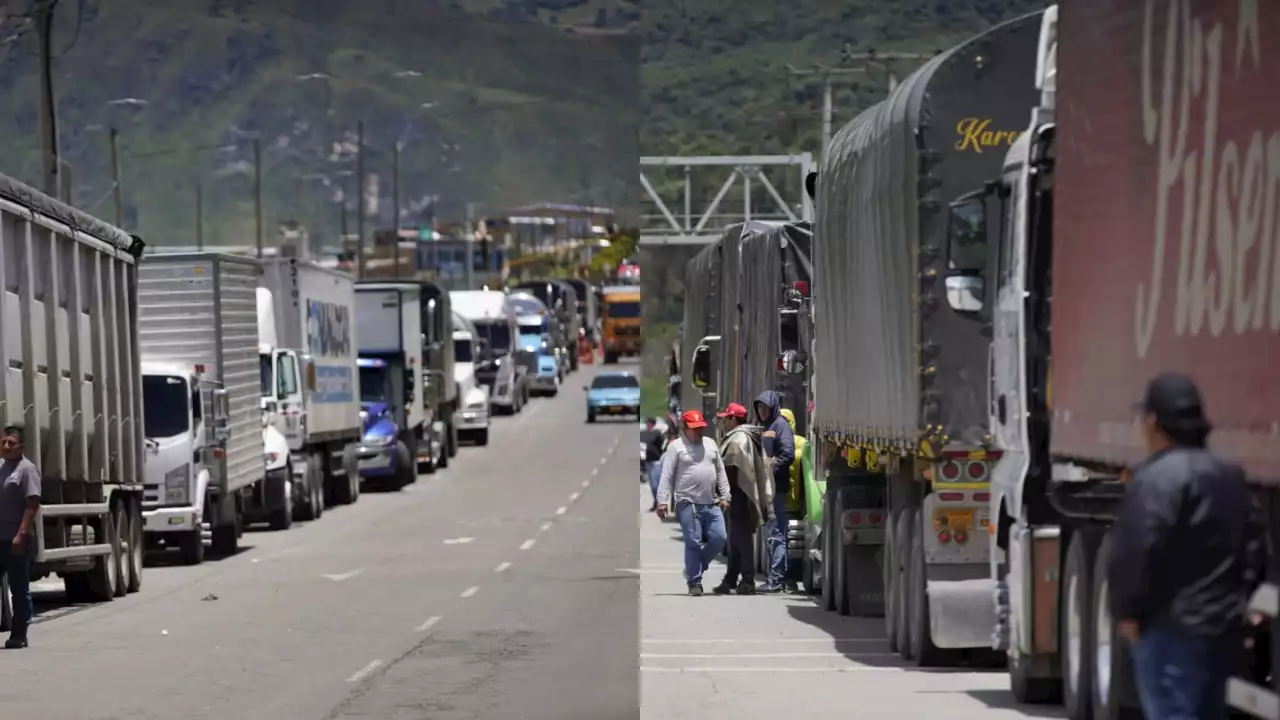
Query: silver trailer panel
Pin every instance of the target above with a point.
(202, 308)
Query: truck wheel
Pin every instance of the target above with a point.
(1027, 690)
(6, 606)
(191, 547)
(443, 462)
(453, 439)
(120, 520)
(829, 545)
(591, 416)
(923, 651)
(809, 576)
(1112, 669)
(282, 518)
(406, 470)
(136, 557)
(318, 498)
(904, 527)
(226, 540)
(1076, 626)
(105, 575)
(610, 357)
(890, 584)
(841, 567)
(482, 437)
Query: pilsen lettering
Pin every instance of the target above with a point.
(328, 329)
(1225, 216)
(975, 134)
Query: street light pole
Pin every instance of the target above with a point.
(199, 216)
(395, 205)
(257, 195)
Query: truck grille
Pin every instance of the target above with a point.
(627, 332)
(528, 361)
(489, 378)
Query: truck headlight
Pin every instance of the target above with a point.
(379, 441)
(176, 485)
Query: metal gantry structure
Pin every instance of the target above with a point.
(661, 226)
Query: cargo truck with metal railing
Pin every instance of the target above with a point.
(69, 379)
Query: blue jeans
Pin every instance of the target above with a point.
(17, 568)
(655, 474)
(776, 542)
(695, 521)
(1181, 676)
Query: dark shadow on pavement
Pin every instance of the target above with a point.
(1003, 700)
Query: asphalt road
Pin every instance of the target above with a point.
(488, 590)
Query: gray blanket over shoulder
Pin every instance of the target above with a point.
(742, 449)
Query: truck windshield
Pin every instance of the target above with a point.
(462, 351)
(498, 335)
(534, 326)
(374, 384)
(614, 381)
(165, 406)
(265, 370)
(628, 309)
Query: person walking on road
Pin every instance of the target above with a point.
(750, 497)
(1187, 552)
(693, 472)
(19, 502)
(780, 448)
(654, 445)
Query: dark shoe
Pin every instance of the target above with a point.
(695, 590)
(746, 587)
(722, 589)
(767, 589)
(17, 640)
(791, 587)
(654, 508)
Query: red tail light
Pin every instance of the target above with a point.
(950, 470)
(801, 287)
(982, 497)
(951, 496)
(961, 536)
(977, 470)
(944, 537)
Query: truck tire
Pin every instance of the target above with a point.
(120, 521)
(351, 464)
(452, 436)
(610, 357)
(891, 584)
(482, 437)
(830, 544)
(282, 518)
(1076, 626)
(105, 574)
(444, 447)
(135, 557)
(342, 487)
(226, 540)
(591, 416)
(406, 466)
(6, 606)
(1111, 691)
(923, 651)
(904, 528)
(314, 481)
(191, 547)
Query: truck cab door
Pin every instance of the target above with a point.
(289, 417)
(1008, 414)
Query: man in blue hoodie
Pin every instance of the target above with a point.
(780, 448)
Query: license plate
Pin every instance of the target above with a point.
(615, 408)
(954, 520)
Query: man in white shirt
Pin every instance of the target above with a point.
(693, 471)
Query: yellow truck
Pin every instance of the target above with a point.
(620, 317)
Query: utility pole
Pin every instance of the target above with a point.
(395, 205)
(199, 216)
(257, 195)
(829, 76)
(342, 208)
(116, 188)
(360, 200)
(470, 267)
(48, 103)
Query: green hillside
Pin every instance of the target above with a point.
(500, 113)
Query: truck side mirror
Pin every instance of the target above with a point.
(967, 252)
(702, 368)
(410, 385)
(791, 362)
(221, 402)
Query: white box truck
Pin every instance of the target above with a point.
(310, 382)
(69, 381)
(198, 332)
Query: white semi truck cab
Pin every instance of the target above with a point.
(472, 417)
(180, 440)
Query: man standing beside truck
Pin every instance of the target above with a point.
(780, 448)
(750, 497)
(1187, 554)
(693, 472)
(19, 502)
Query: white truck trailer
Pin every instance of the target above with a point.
(310, 382)
(69, 379)
(198, 332)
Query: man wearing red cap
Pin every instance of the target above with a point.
(751, 492)
(693, 472)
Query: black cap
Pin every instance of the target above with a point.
(1175, 402)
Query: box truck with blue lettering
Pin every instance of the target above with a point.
(310, 381)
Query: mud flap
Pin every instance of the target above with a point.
(961, 613)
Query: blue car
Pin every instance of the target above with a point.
(613, 394)
(547, 378)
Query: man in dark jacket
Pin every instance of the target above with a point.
(654, 445)
(1186, 554)
(780, 447)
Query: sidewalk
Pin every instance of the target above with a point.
(781, 656)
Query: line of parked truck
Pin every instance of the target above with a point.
(170, 398)
(963, 263)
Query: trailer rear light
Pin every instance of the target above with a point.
(874, 518)
(219, 453)
(950, 470)
(960, 536)
(977, 470)
(855, 518)
(944, 537)
(951, 496)
(801, 287)
(982, 497)
(199, 368)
